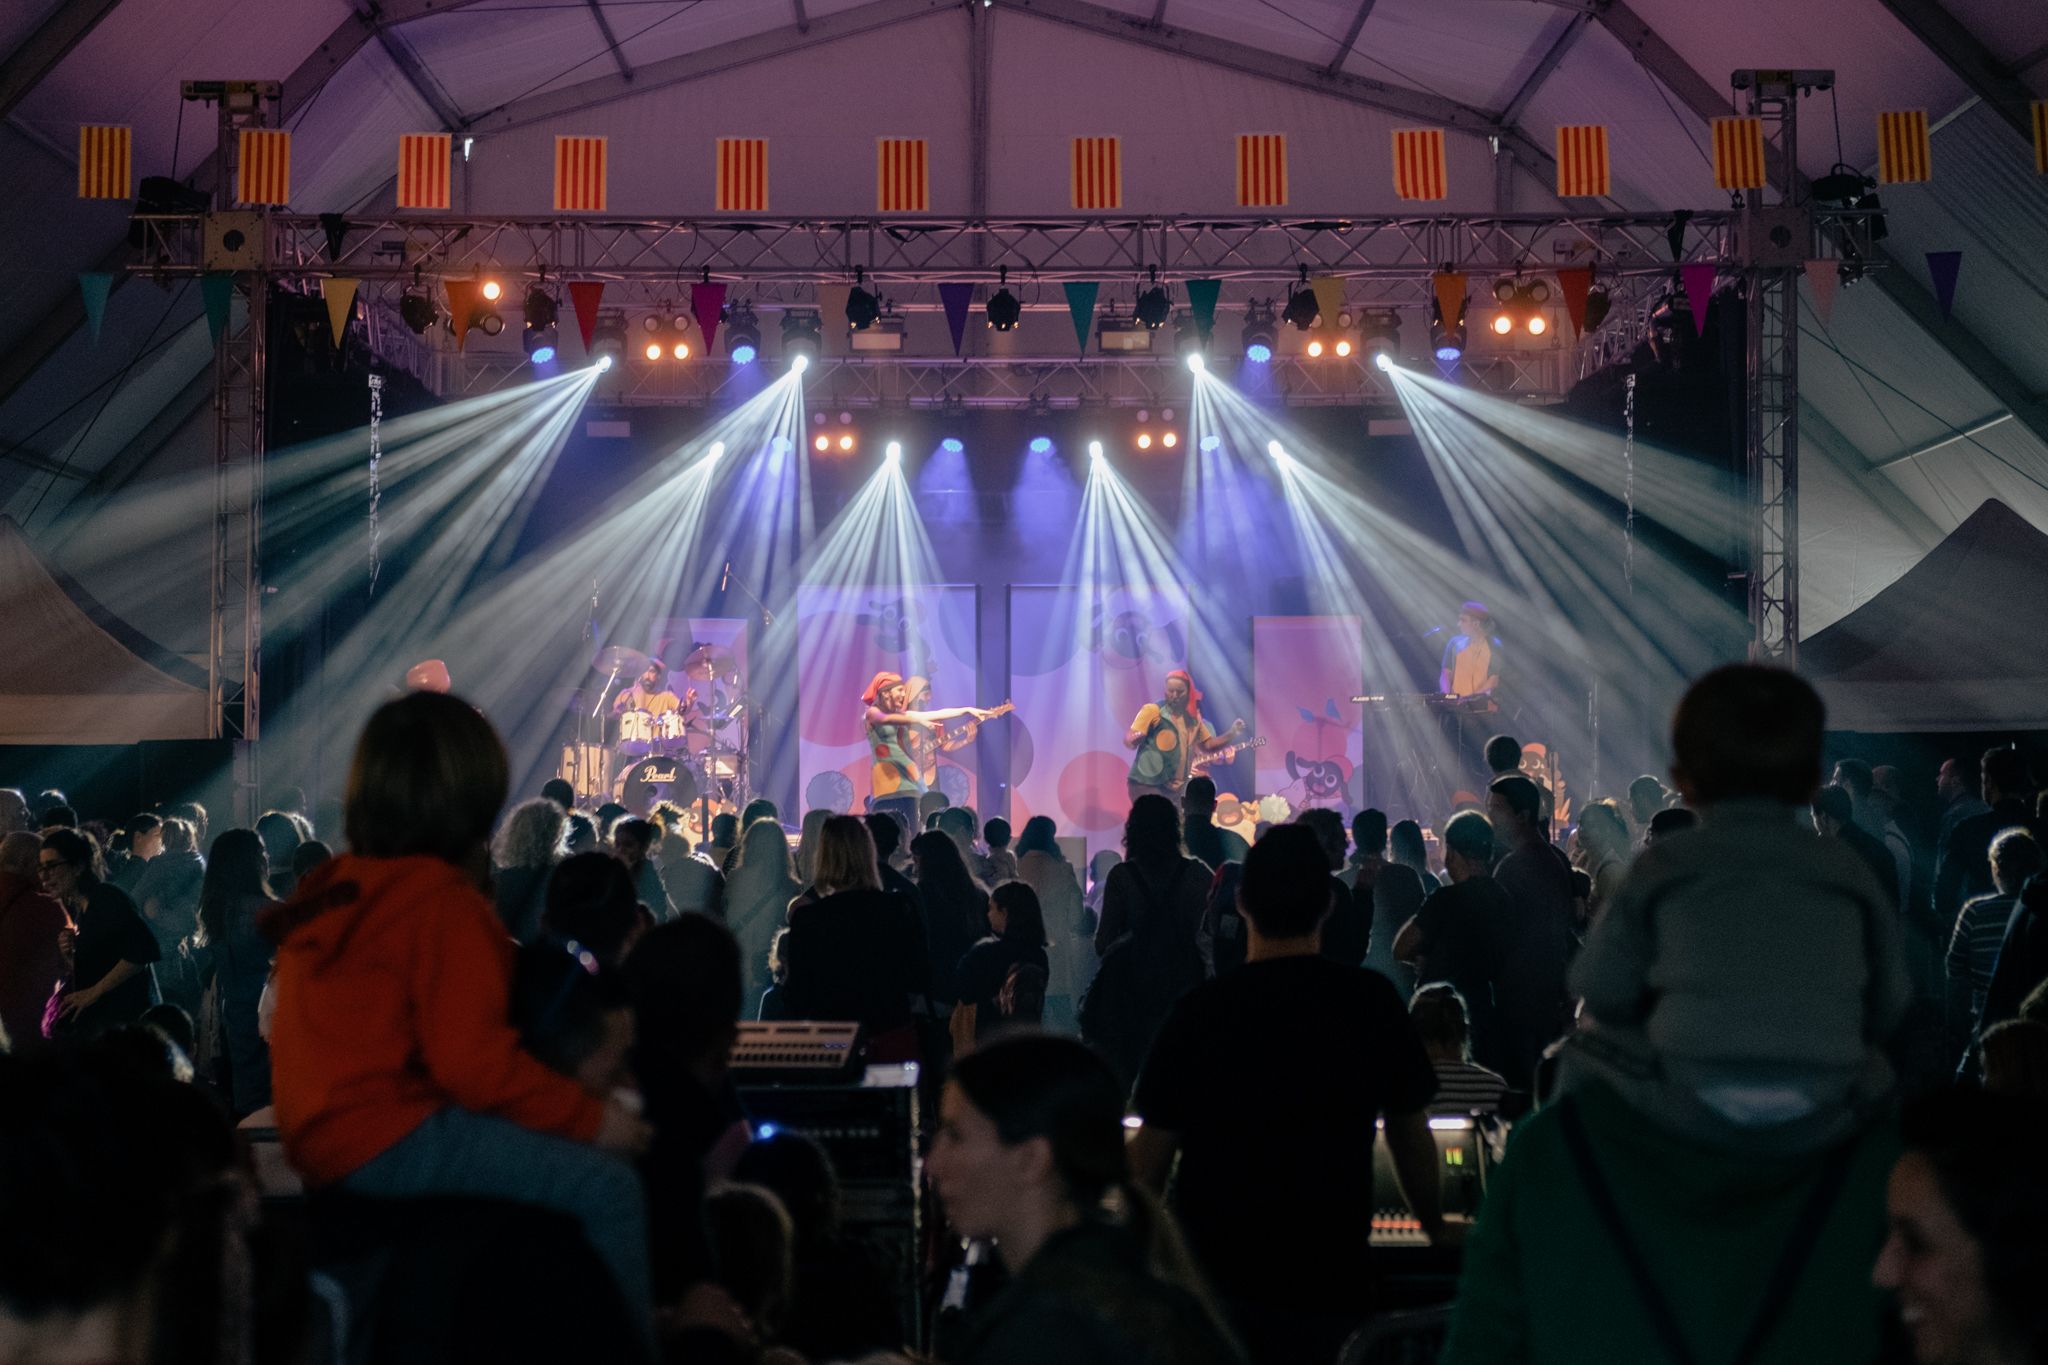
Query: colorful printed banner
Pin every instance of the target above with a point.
(265, 173)
(1098, 173)
(1419, 168)
(1261, 170)
(1738, 153)
(424, 170)
(579, 175)
(1904, 156)
(902, 177)
(1582, 160)
(1305, 670)
(742, 170)
(105, 152)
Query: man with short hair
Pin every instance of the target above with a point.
(1964, 869)
(1464, 934)
(1199, 831)
(1875, 814)
(1980, 933)
(1347, 933)
(1834, 818)
(1533, 1002)
(1268, 1083)
(1958, 801)
(145, 840)
(558, 790)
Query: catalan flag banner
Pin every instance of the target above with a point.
(1098, 177)
(1903, 155)
(423, 170)
(579, 175)
(104, 155)
(902, 175)
(265, 173)
(1419, 171)
(1261, 170)
(1582, 161)
(1738, 153)
(742, 175)
(2041, 137)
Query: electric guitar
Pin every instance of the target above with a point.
(1224, 755)
(970, 727)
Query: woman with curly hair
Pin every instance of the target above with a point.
(532, 840)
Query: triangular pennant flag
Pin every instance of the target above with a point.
(340, 295)
(1329, 292)
(1823, 278)
(93, 287)
(707, 305)
(1942, 268)
(1575, 282)
(1081, 303)
(461, 308)
(1698, 280)
(217, 291)
(1450, 295)
(832, 315)
(584, 296)
(956, 298)
(1201, 303)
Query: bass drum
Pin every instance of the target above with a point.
(651, 781)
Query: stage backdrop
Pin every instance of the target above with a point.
(1306, 669)
(1080, 668)
(846, 635)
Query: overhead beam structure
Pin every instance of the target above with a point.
(1553, 56)
(1350, 39)
(611, 39)
(1965, 54)
(50, 42)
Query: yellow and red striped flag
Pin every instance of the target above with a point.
(1903, 154)
(1098, 175)
(1582, 160)
(2041, 137)
(1738, 153)
(902, 175)
(1419, 170)
(104, 153)
(1261, 170)
(265, 173)
(742, 175)
(423, 170)
(579, 174)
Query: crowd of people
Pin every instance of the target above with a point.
(1773, 1058)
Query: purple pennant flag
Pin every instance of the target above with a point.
(707, 305)
(1699, 292)
(1942, 268)
(956, 298)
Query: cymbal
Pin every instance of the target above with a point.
(625, 662)
(706, 662)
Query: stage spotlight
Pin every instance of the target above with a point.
(1144, 440)
(679, 349)
(1095, 452)
(489, 322)
(1598, 304)
(1343, 347)
(1502, 324)
(717, 451)
(822, 443)
(1537, 325)
(894, 452)
(951, 445)
(652, 349)
(1301, 309)
(492, 291)
(604, 362)
(417, 310)
(1003, 310)
(1258, 331)
(1154, 307)
(1169, 440)
(1447, 335)
(1196, 363)
(1041, 445)
(742, 334)
(1278, 452)
(800, 331)
(799, 362)
(608, 339)
(846, 441)
(1381, 332)
(1212, 442)
(1314, 350)
(538, 334)
(862, 308)
(1384, 361)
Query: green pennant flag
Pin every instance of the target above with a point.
(1202, 303)
(1081, 303)
(93, 288)
(217, 290)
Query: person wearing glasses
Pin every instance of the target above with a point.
(111, 950)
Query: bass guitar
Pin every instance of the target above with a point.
(1224, 755)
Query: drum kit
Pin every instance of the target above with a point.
(694, 758)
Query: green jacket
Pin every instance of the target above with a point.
(1544, 1282)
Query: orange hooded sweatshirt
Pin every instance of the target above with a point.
(393, 985)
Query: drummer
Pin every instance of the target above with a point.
(651, 694)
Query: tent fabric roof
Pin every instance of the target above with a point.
(1952, 644)
(72, 673)
(1884, 383)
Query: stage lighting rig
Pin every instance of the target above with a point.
(1520, 304)
(1258, 335)
(742, 333)
(862, 308)
(608, 339)
(801, 328)
(417, 310)
(1154, 306)
(1380, 332)
(1301, 311)
(1598, 305)
(539, 334)
(1004, 312)
(1447, 336)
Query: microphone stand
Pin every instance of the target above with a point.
(767, 616)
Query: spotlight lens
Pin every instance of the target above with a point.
(1384, 361)
(951, 445)
(1169, 440)
(1258, 353)
(1503, 324)
(846, 443)
(493, 290)
(822, 443)
(1196, 363)
(1212, 443)
(1448, 352)
(1144, 440)
(717, 449)
(894, 451)
(1315, 348)
(1095, 451)
(1343, 348)
(1275, 449)
(653, 351)
(681, 350)
(801, 363)
(604, 362)
(543, 354)
(743, 354)
(1041, 445)
(1537, 326)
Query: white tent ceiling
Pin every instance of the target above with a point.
(1882, 384)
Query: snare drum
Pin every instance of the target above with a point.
(636, 732)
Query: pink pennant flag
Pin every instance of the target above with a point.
(1822, 279)
(1698, 280)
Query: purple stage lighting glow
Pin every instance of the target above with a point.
(743, 354)
(1258, 353)
(951, 445)
(1041, 445)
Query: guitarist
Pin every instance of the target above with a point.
(1166, 735)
